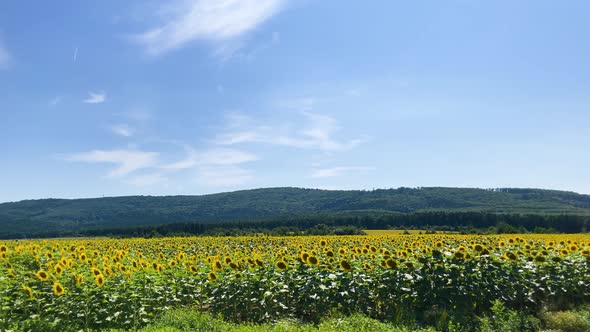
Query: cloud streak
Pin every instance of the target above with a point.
(122, 130)
(317, 133)
(208, 20)
(211, 157)
(56, 100)
(5, 57)
(339, 171)
(95, 98)
(126, 161)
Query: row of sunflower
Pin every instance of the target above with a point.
(124, 283)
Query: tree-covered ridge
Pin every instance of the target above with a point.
(262, 204)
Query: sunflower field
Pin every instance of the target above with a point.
(429, 280)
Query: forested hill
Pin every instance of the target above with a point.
(32, 216)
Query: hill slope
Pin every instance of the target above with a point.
(75, 214)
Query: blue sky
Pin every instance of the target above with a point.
(200, 96)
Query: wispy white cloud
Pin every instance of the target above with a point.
(223, 176)
(299, 104)
(317, 132)
(147, 180)
(211, 20)
(55, 100)
(5, 57)
(126, 161)
(339, 171)
(95, 98)
(75, 54)
(122, 130)
(211, 157)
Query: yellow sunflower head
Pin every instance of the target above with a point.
(28, 291)
(58, 289)
(42, 275)
(345, 265)
(99, 280)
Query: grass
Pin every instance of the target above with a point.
(189, 320)
(186, 319)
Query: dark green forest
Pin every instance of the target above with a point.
(270, 208)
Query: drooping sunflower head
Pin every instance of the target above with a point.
(345, 265)
(304, 257)
(312, 260)
(390, 264)
(28, 291)
(540, 259)
(511, 256)
(79, 280)
(212, 276)
(217, 266)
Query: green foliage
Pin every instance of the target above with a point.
(191, 320)
(61, 217)
(568, 321)
(505, 320)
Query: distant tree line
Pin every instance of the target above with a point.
(347, 224)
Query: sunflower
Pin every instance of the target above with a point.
(304, 257)
(28, 292)
(217, 266)
(212, 276)
(79, 280)
(281, 265)
(194, 269)
(99, 280)
(95, 271)
(3, 248)
(312, 260)
(42, 275)
(345, 265)
(390, 264)
(58, 269)
(58, 289)
(511, 256)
